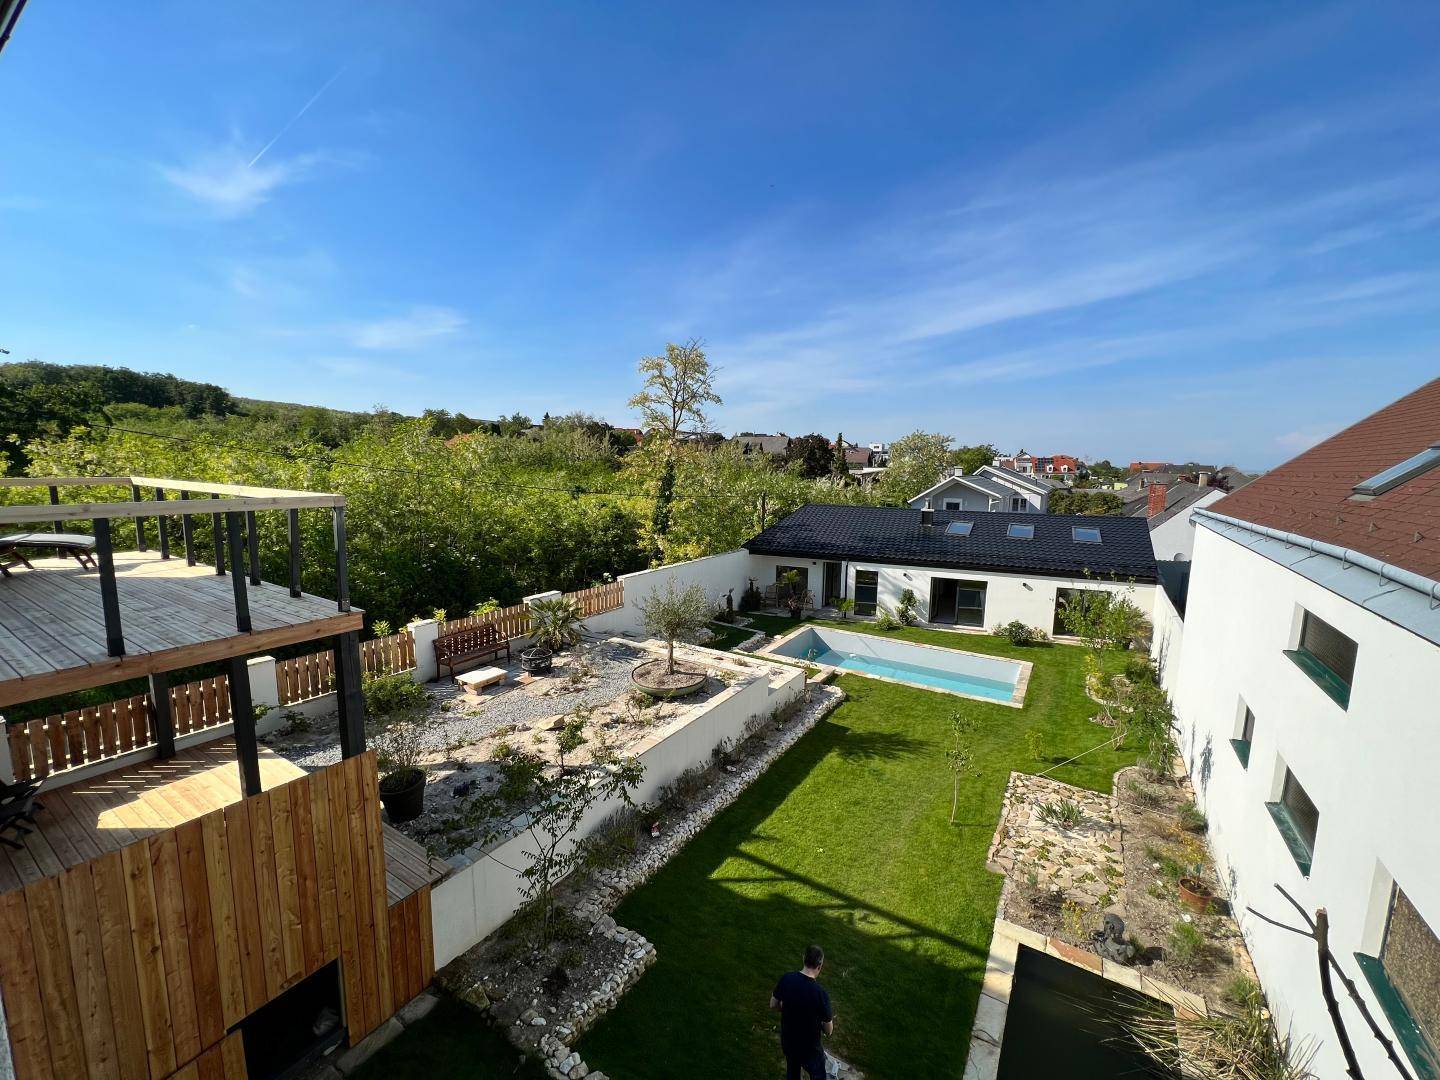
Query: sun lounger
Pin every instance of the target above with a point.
(78, 546)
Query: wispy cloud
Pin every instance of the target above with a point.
(419, 327)
(223, 180)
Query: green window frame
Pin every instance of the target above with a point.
(1327, 656)
(1247, 735)
(1405, 979)
(1298, 820)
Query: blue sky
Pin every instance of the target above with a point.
(1127, 230)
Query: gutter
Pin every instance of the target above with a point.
(1426, 587)
(9, 16)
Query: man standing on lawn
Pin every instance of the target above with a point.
(804, 1016)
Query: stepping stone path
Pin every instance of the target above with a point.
(1083, 862)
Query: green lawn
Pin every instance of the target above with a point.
(845, 841)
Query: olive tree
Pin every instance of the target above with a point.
(676, 614)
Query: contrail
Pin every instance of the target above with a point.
(303, 110)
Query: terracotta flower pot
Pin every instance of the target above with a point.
(1196, 895)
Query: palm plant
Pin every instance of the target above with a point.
(555, 623)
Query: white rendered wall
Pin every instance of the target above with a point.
(716, 574)
(1174, 538)
(1030, 599)
(1370, 770)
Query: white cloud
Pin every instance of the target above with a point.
(422, 325)
(224, 182)
(1301, 439)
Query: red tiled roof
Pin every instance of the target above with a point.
(1310, 494)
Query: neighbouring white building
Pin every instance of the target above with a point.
(1305, 674)
(989, 488)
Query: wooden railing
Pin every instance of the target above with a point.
(41, 748)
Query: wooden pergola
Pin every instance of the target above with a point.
(153, 610)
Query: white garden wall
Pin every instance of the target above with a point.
(478, 898)
(716, 574)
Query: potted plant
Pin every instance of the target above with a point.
(795, 594)
(396, 705)
(673, 614)
(844, 605)
(1196, 895)
(554, 625)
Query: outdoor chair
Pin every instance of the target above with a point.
(78, 546)
(17, 806)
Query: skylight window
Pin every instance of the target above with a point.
(959, 528)
(1084, 534)
(1396, 475)
(1021, 532)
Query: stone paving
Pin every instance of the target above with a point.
(1083, 862)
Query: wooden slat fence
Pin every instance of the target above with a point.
(600, 598)
(512, 622)
(52, 744)
(387, 655)
(137, 963)
(304, 677)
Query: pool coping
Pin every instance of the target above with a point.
(1017, 696)
(988, 1032)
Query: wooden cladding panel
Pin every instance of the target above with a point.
(134, 965)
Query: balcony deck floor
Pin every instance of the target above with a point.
(52, 625)
(85, 820)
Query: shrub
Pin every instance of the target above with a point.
(1192, 818)
(1037, 746)
(752, 599)
(886, 621)
(381, 628)
(1063, 812)
(1186, 944)
(1018, 633)
(555, 623)
(844, 605)
(1078, 920)
(389, 695)
(905, 611)
(1243, 992)
(1139, 669)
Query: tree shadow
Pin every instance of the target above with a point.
(877, 745)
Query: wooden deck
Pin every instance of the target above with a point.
(93, 817)
(52, 625)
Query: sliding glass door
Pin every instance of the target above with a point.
(867, 591)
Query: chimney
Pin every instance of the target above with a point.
(927, 515)
(1156, 504)
(1202, 479)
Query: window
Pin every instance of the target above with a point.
(1405, 979)
(959, 528)
(1297, 819)
(1327, 656)
(1021, 532)
(867, 591)
(1247, 735)
(1085, 534)
(1064, 598)
(970, 603)
(1018, 505)
(784, 588)
(953, 504)
(1396, 475)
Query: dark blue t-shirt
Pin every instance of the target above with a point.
(805, 1007)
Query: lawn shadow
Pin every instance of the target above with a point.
(877, 745)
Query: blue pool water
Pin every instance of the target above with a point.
(991, 678)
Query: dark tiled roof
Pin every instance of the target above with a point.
(1310, 494)
(1039, 483)
(892, 534)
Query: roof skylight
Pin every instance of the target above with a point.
(1085, 534)
(959, 528)
(1021, 532)
(1396, 475)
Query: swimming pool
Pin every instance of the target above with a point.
(951, 671)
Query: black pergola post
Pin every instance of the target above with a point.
(237, 576)
(109, 597)
(164, 721)
(242, 713)
(342, 570)
(252, 541)
(294, 538)
(135, 495)
(55, 501)
(217, 524)
(187, 532)
(160, 526)
(348, 694)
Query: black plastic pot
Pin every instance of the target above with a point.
(537, 661)
(402, 793)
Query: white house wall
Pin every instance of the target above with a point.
(1029, 598)
(1370, 770)
(1174, 538)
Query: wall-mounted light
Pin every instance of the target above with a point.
(1027, 586)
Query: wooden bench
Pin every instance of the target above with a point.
(475, 643)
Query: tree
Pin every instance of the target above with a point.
(960, 757)
(973, 458)
(555, 798)
(842, 463)
(676, 614)
(677, 389)
(1098, 503)
(917, 461)
(1104, 472)
(810, 456)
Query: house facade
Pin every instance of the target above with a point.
(1303, 676)
(990, 488)
(967, 570)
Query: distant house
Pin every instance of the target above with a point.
(1022, 463)
(991, 488)
(966, 569)
(857, 457)
(1062, 465)
(879, 454)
